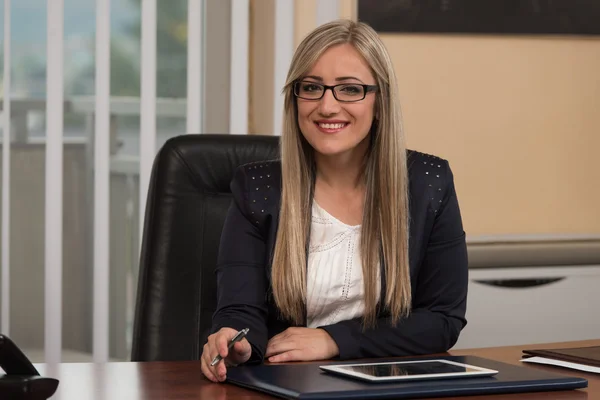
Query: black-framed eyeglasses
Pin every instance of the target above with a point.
(344, 92)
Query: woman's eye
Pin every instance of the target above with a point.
(351, 89)
(310, 88)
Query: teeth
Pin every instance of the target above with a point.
(331, 126)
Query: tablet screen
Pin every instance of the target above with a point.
(409, 370)
(429, 367)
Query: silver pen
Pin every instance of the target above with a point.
(238, 336)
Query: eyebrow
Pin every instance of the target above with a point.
(339, 79)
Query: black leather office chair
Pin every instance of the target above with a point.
(188, 198)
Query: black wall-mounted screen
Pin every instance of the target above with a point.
(560, 17)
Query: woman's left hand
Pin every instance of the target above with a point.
(301, 344)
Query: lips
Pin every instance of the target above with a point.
(331, 126)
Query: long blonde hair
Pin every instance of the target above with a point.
(385, 224)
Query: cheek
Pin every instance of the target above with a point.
(364, 115)
(304, 112)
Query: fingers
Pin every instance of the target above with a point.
(241, 347)
(221, 371)
(271, 348)
(208, 373)
(279, 343)
(217, 344)
(221, 341)
(239, 353)
(212, 348)
(293, 355)
(279, 347)
(301, 344)
(216, 373)
(207, 370)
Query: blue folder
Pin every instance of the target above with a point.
(307, 381)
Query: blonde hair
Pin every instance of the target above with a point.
(385, 224)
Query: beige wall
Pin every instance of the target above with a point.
(306, 11)
(517, 117)
(519, 120)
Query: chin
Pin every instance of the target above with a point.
(332, 144)
(330, 150)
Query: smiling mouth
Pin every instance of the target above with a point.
(331, 127)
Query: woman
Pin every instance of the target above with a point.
(350, 246)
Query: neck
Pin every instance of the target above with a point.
(343, 171)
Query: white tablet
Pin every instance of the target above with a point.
(408, 370)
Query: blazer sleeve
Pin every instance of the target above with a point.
(439, 301)
(241, 278)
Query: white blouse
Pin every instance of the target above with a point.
(335, 289)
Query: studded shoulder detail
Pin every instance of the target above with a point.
(429, 171)
(263, 190)
(261, 184)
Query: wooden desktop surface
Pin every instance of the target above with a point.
(184, 380)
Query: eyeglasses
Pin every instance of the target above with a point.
(344, 92)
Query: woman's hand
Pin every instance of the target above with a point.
(301, 344)
(217, 344)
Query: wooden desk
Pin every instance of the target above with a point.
(184, 380)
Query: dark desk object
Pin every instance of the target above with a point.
(588, 355)
(306, 381)
(183, 379)
(21, 380)
(188, 199)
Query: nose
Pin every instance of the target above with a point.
(328, 105)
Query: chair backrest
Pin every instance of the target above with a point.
(188, 199)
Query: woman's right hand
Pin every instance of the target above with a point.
(217, 344)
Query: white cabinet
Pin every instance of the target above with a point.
(518, 305)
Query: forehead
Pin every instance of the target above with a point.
(341, 61)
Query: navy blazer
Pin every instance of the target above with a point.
(437, 254)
